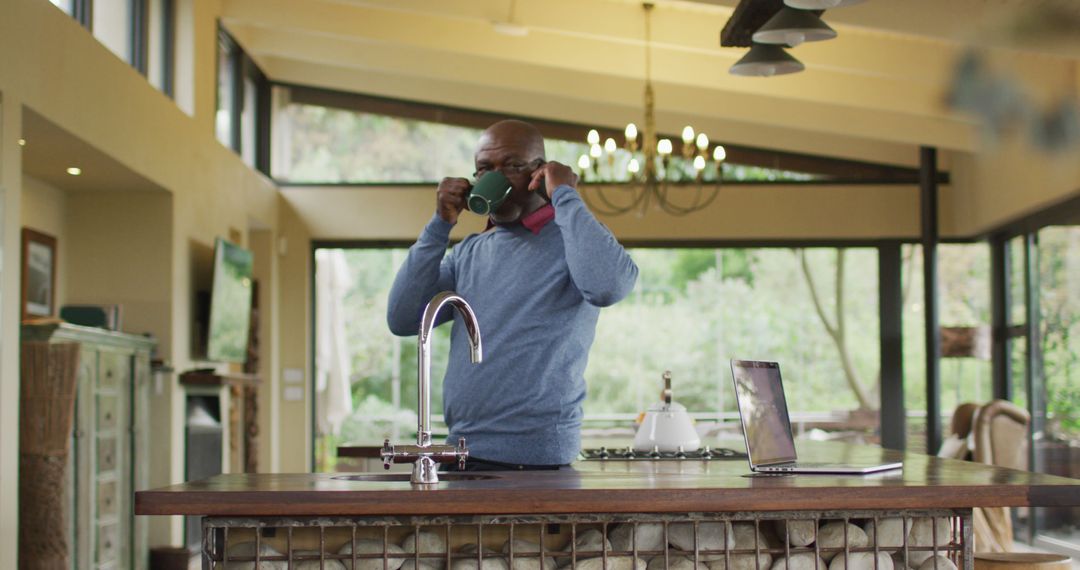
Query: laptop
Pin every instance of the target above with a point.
(767, 428)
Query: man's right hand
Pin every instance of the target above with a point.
(452, 194)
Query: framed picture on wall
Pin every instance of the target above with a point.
(38, 274)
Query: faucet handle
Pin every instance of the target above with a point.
(462, 453)
(387, 454)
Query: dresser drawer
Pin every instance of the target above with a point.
(108, 412)
(108, 543)
(114, 369)
(106, 454)
(107, 499)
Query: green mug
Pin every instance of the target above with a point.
(489, 193)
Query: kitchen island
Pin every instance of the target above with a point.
(337, 520)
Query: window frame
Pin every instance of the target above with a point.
(245, 68)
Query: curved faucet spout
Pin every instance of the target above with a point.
(423, 348)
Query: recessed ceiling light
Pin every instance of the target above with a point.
(510, 29)
(74, 170)
(22, 142)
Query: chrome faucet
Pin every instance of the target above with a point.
(424, 455)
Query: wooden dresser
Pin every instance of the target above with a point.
(110, 454)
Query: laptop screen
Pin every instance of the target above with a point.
(763, 410)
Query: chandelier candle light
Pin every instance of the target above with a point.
(651, 174)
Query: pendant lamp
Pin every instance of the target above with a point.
(766, 60)
(792, 27)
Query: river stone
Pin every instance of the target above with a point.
(711, 536)
(411, 564)
(493, 563)
(831, 535)
(938, 562)
(922, 534)
(861, 561)
(679, 561)
(613, 563)
(430, 543)
(892, 532)
(314, 564)
(372, 546)
(527, 562)
(747, 537)
(799, 532)
(650, 537)
(247, 550)
(590, 543)
(800, 561)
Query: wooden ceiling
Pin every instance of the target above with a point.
(873, 94)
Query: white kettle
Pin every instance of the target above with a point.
(666, 426)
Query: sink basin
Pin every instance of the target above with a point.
(451, 476)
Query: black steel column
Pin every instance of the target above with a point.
(1036, 389)
(891, 310)
(929, 221)
(1000, 309)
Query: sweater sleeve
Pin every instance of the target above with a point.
(599, 266)
(426, 271)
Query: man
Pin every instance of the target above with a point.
(536, 280)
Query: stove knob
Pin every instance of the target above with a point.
(680, 453)
(629, 453)
(706, 453)
(603, 454)
(655, 453)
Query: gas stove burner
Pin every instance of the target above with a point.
(629, 454)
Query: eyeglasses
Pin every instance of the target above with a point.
(510, 168)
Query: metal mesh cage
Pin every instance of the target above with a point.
(788, 540)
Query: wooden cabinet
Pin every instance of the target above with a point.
(110, 454)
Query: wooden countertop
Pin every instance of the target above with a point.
(622, 487)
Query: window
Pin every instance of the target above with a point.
(161, 45)
(963, 307)
(1057, 446)
(68, 6)
(343, 142)
(240, 84)
(112, 26)
(691, 311)
(226, 90)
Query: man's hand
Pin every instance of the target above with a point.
(452, 194)
(555, 174)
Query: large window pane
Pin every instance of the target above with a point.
(247, 122)
(112, 26)
(66, 5)
(1058, 450)
(692, 311)
(319, 144)
(226, 91)
(964, 310)
(160, 44)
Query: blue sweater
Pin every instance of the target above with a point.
(537, 298)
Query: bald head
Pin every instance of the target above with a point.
(515, 136)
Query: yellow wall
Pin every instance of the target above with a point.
(1008, 181)
(263, 244)
(295, 273)
(739, 213)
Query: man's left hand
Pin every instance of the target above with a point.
(554, 174)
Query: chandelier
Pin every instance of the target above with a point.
(649, 174)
